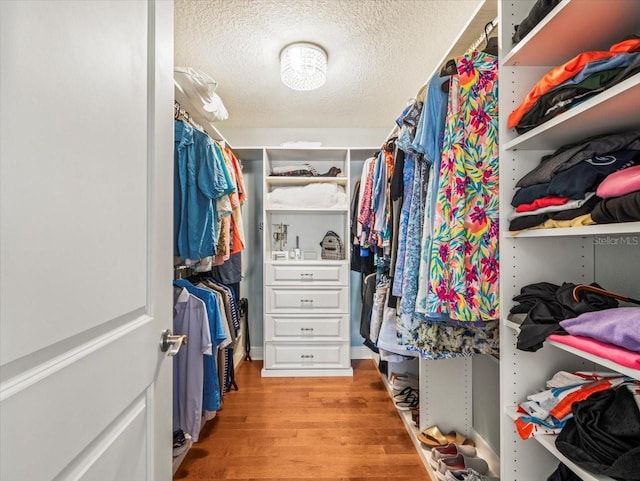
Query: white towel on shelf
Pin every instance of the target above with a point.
(321, 195)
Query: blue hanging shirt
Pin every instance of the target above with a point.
(199, 181)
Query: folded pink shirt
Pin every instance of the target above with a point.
(620, 183)
(607, 351)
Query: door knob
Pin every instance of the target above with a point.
(171, 344)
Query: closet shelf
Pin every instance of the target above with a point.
(481, 446)
(281, 180)
(302, 210)
(627, 371)
(585, 231)
(177, 461)
(618, 104)
(548, 441)
(568, 21)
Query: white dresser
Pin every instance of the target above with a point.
(306, 300)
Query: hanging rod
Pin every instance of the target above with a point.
(484, 36)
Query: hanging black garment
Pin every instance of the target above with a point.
(369, 289)
(604, 434)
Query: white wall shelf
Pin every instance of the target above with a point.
(282, 180)
(604, 362)
(302, 210)
(605, 254)
(614, 366)
(584, 231)
(568, 21)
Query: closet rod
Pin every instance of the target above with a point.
(181, 114)
(484, 36)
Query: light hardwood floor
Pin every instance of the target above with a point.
(320, 429)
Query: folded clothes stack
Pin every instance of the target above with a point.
(596, 418)
(570, 84)
(593, 181)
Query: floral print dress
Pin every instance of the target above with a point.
(464, 262)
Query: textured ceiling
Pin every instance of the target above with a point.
(380, 53)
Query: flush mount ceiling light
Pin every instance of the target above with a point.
(303, 66)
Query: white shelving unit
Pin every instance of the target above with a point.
(306, 301)
(579, 254)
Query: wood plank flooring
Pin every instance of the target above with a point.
(316, 429)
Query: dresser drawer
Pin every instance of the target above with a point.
(281, 300)
(307, 274)
(307, 356)
(310, 327)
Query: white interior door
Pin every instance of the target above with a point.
(86, 145)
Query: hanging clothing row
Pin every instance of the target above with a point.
(209, 192)
(427, 216)
(207, 312)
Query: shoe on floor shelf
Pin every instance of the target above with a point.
(460, 462)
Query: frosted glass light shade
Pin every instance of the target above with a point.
(303, 66)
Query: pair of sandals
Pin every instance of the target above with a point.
(407, 399)
(432, 437)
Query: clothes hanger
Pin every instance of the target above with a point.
(584, 287)
(491, 44)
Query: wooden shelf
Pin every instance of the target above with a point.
(619, 105)
(548, 441)
(569, 21)
(585, 231)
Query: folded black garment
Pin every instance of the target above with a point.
(562, 473)
(604, 434)
(527, 222)
(563, 98)
(526, 195)
(571, 154)
(625, 208)
(531, 294)
(585, 208)
(543, 318)
(584, 177)
(539, 10)
(581, 178)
